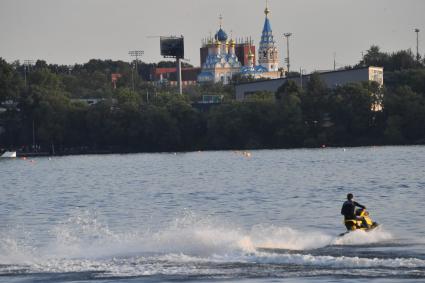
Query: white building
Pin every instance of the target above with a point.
(221, 63)
(332, 79)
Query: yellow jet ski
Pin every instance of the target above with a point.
(363, 222)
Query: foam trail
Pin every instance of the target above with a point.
(82, 236)
(338, 262)
(287, 238)
(14, 252)
(82, 243)
(362, 238)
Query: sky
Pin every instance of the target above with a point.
(75, 31)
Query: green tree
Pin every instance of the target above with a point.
(189, 123)
(405, 112)
(314, 104)
(127, 98)
(374, 57)
(291, 129)
(351, 113)
(10, 82)
(400, 60)
(160, 130)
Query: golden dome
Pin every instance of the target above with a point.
(250, 54)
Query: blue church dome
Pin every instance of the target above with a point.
(221, 35)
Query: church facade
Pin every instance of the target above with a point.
(221, 63)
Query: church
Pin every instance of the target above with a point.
(221, 62)
(222, 58)
(268, 54)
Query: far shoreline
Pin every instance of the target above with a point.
(127, 152)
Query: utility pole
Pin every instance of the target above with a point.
(301, 77)
(132, 74)
(179, 75)
(334, 61)
(288, 63)
(33, 134)
(302, 73)
(417, 43)
(27, 65)
(136, 54)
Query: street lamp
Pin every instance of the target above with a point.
(288, 64)
(417, 43)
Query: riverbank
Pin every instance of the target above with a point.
(72, 152)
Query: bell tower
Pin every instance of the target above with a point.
(268, 55)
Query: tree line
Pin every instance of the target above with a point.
(40, 110)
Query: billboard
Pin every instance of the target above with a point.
(172, 47)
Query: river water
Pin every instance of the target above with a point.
(225, 216)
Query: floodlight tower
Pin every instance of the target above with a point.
(136, 54)
(417, 43)
(287, 36)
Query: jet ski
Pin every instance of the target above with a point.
(363, 222)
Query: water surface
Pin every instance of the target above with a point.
(203, 216)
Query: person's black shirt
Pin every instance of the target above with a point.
(348, 209)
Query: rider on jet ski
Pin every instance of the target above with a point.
(349, 211)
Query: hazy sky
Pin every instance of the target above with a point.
(74, 31)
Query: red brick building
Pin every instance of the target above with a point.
(241, 50)
(169, 75)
